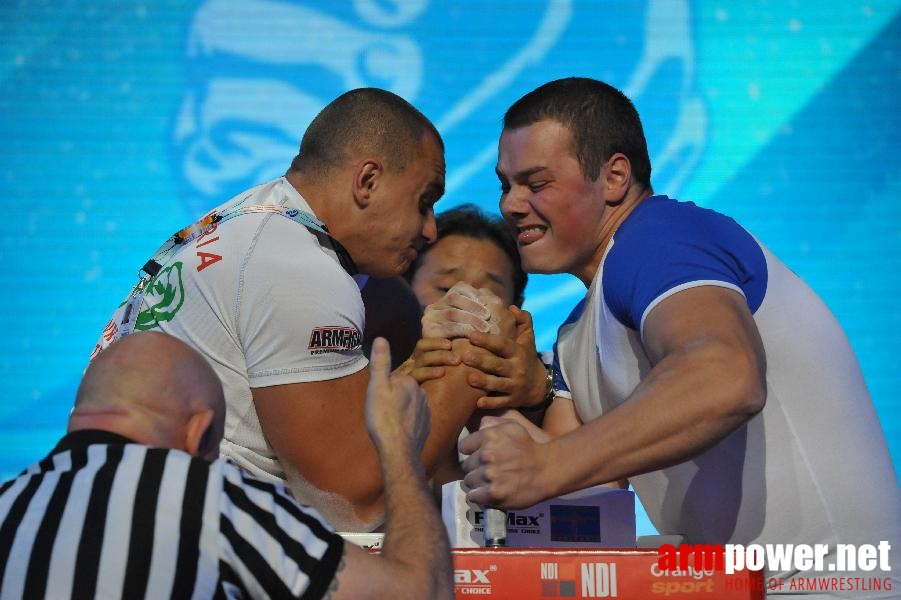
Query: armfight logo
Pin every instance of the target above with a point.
(334, 339)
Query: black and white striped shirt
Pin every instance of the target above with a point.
(104, 517)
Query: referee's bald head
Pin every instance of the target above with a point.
(154, 389)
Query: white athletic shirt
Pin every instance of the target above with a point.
(813, 467)
(267, 304)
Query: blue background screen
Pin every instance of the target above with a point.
(122, 121)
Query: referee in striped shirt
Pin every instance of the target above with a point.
(133, 503)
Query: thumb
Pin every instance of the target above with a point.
(470, 443)
(380, 360)
(522, 317)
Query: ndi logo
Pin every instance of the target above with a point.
(558, 580)
(599, 580)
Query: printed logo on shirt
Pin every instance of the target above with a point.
(334, 339)
(164, 297)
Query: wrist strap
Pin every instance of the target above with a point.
(550, 393)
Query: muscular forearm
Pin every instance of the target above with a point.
(451, 401)
(708, 378)
(347, 486)
(415, 539)
(306, 422)
(687, 403)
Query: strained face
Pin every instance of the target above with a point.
(403, 218)
(479, 262)
(554, 211)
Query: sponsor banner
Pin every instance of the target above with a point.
(544, 573)
(596, 517)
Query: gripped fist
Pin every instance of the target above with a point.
(509, 370)
(397, 414)
(506, 466)
(464, 310)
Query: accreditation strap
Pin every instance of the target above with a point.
(127, 314)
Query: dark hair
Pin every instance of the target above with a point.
(364, 120)
(469, 221)
(600, 118)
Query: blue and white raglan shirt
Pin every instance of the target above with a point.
(813, 466)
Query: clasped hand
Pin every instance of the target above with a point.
(502, 347)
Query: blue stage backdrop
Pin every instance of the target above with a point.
(122, 121)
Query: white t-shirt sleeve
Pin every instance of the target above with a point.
(299, 314)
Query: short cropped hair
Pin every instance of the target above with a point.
(468, 220)
(600, 118)
(361, 121)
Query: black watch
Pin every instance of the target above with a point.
(550, 393)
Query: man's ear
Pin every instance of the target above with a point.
(367, 178)
(198, 432)
(617, 178)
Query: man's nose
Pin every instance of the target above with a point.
(430, 228)
(514, 203)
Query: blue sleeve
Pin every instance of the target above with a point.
(670, 244)
(559, 382)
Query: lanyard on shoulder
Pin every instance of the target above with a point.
(181, 238)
